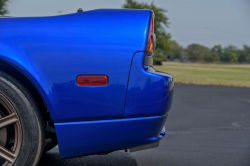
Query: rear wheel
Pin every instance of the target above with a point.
(21, 125)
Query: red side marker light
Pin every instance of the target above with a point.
(92, 80)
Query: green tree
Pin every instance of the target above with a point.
(215, 57)
(246, 48)
(174, 50)
(232, 54)
(160, 24)
(230, 48)
(226, 56)
(196, 52)
(233, 57)
(242, 56)
(3, 7)
(212, 57)
(229, 56)
(218, 49)
(158, 57)
(248, 58)
(246, 53)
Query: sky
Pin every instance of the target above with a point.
(206, 22)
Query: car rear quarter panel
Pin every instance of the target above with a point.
(53, 51)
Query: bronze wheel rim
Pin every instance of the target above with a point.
(10, 132)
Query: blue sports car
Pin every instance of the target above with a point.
(84, 81)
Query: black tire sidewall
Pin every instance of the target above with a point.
(27, 119)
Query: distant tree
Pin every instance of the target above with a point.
(218, 49)
(160, 24)
(242, 56)
(158, 57)
(3, 7)
(246, 52)
(212, 57)
(196, 52)
(230, 48)
(248, 58)
(246, 48)
(229, 56)
(226, 56)
(174, 50)
(215, 57)
(233, 57)
(208, 58)
(214, 54)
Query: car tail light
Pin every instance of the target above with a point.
(151, 38)
(92, 80)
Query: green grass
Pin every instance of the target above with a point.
(208, 74)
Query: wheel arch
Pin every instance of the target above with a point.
(15, 72)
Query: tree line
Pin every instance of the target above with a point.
(167, 49)
(197, 52)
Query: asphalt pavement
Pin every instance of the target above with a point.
(207, 125)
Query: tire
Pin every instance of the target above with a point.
(25, 130)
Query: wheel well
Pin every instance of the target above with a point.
(50, 134)
(13, 71)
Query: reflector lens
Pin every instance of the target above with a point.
(150, 44)
(92, 80)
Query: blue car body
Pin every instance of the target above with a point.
(52, 51)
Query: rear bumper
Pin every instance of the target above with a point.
(85, 138)
(149, 92)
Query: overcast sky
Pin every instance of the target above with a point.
(207, 22)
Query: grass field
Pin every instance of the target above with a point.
(208, 74)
